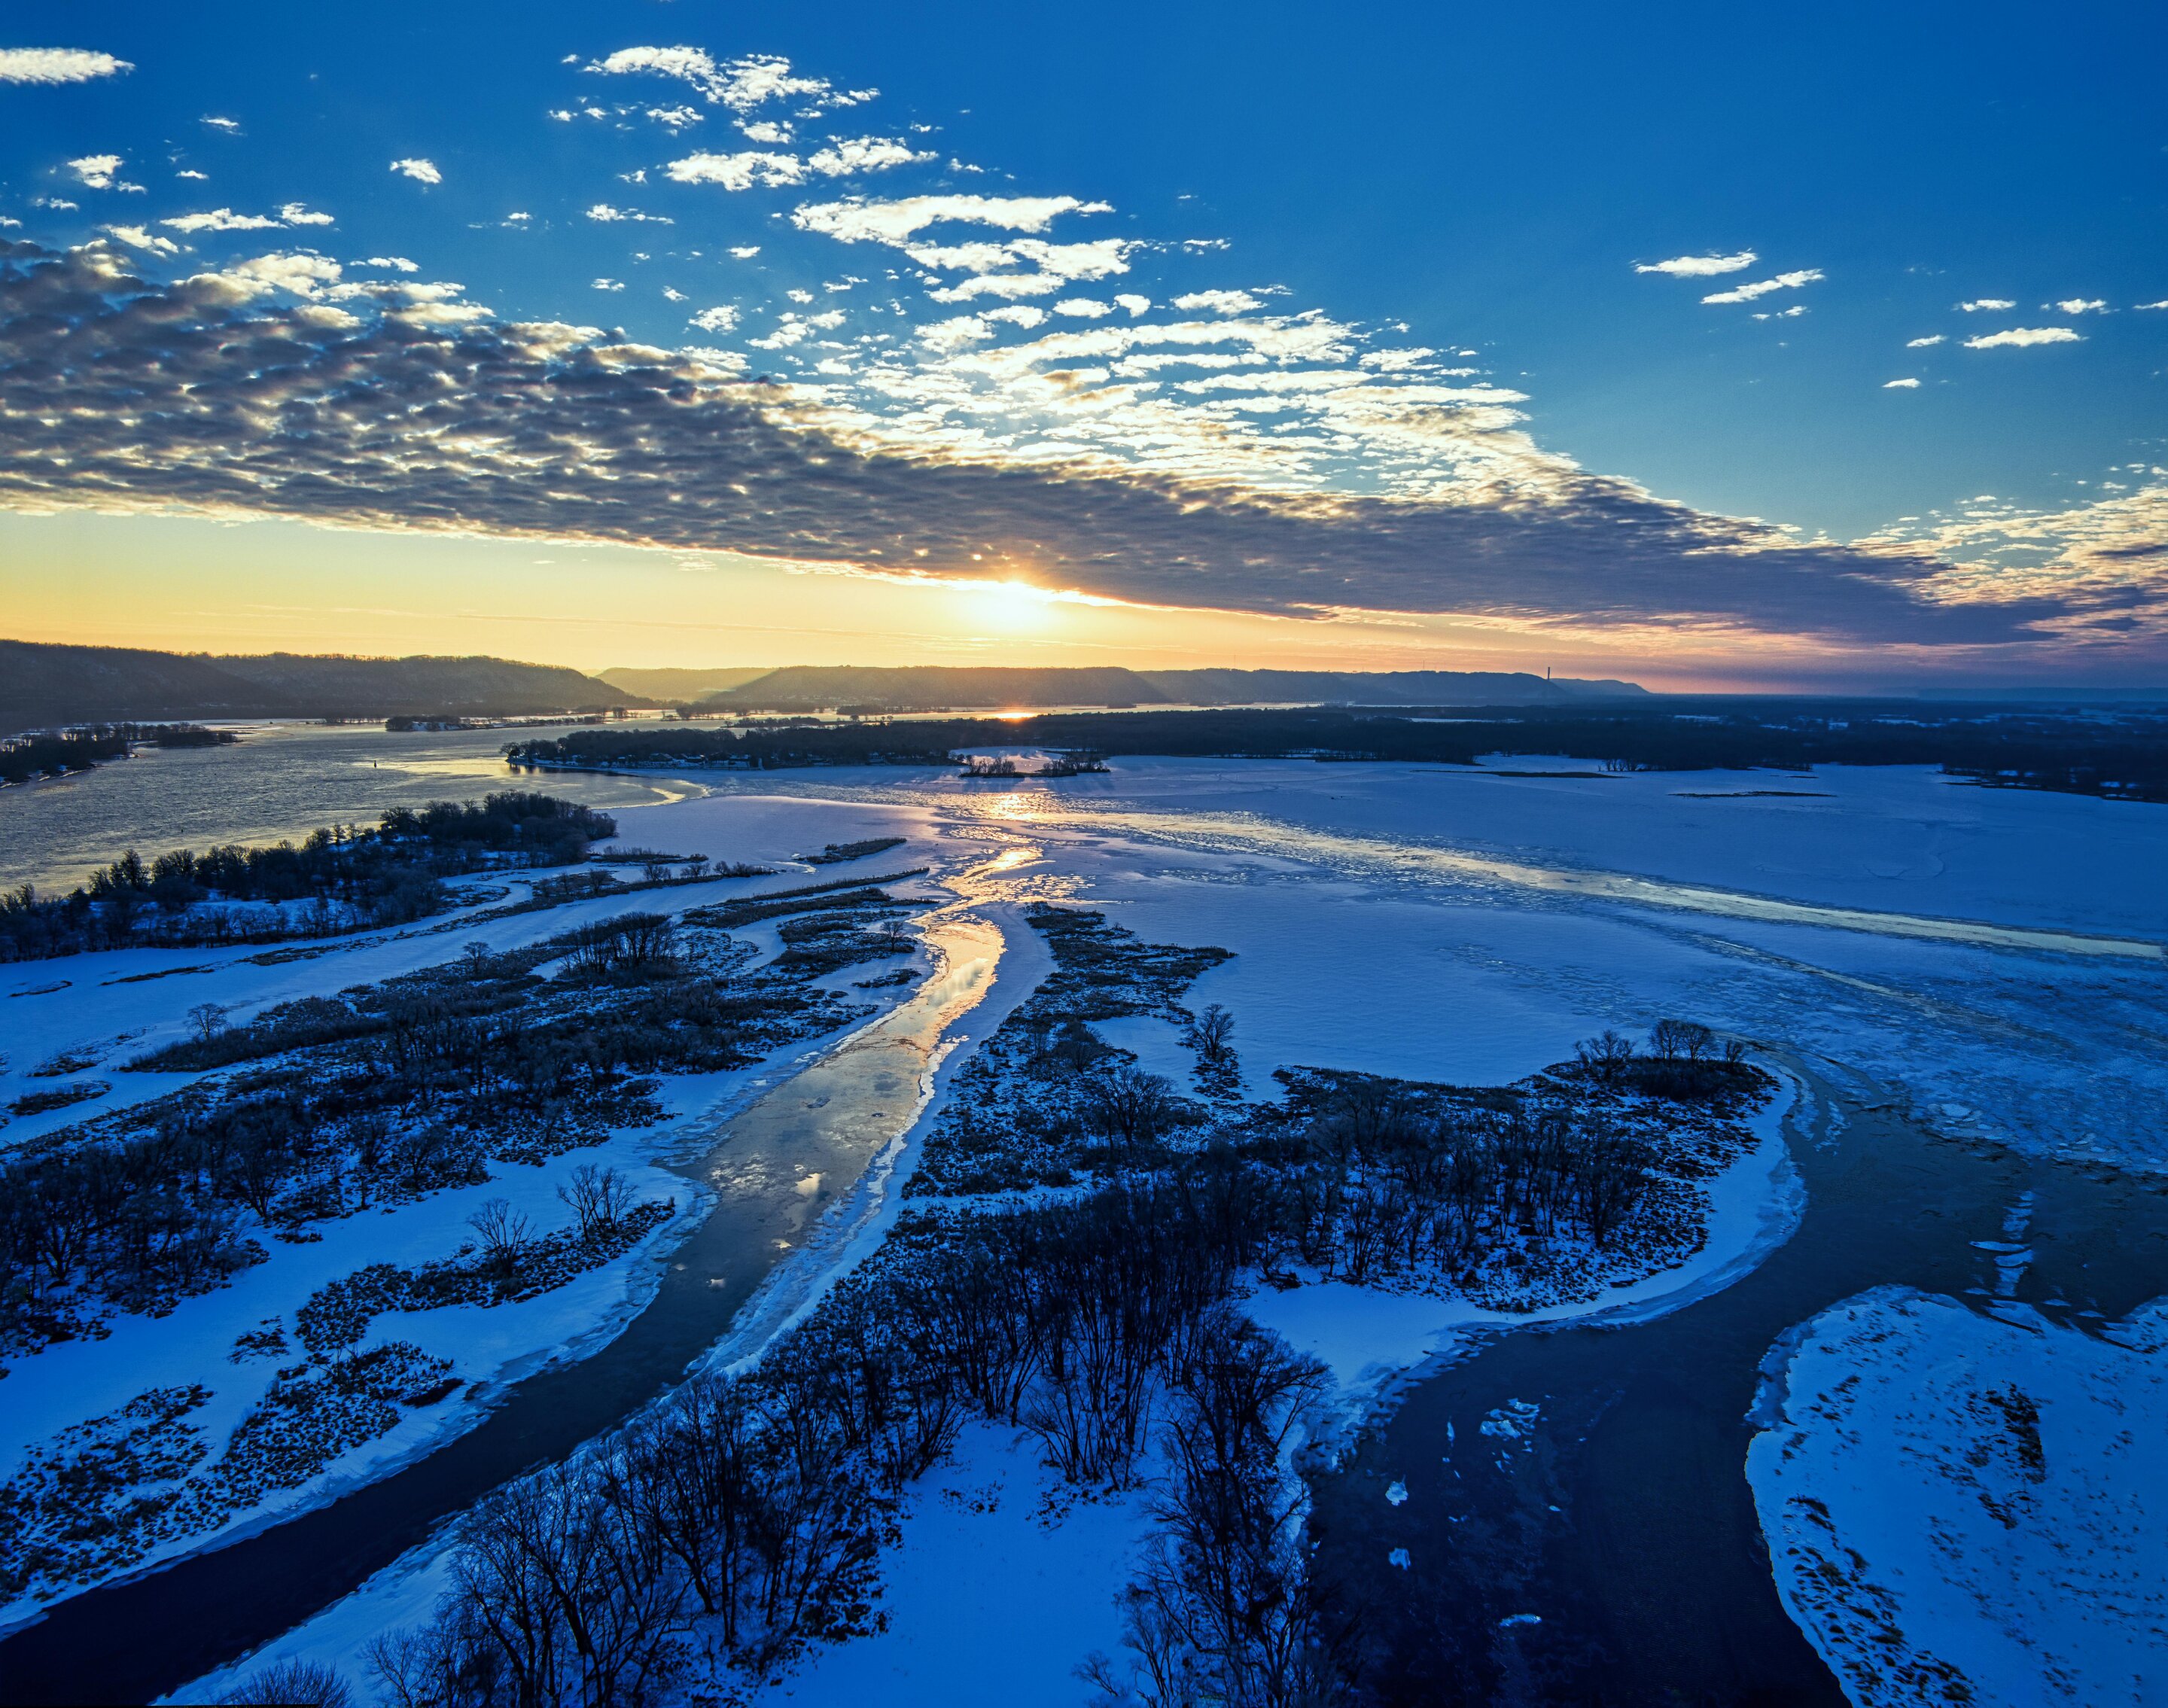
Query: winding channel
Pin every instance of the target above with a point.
(1598, 1542)
(777, 1165)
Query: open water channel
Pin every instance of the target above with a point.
(776, 1165)
(1606, 1550)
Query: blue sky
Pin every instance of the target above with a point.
(1579, 452)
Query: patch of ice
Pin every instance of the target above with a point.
(1971, 1508)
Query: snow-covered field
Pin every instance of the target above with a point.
(1407, 920)
(1972, 1507)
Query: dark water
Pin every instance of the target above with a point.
(777, 1166)
(281, 780)
(1621, 1517)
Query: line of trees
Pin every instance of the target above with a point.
(743, 1519)
(2121, 754)
(351, 877)
(56, 753)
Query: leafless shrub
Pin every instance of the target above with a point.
(504, 1233)
(598, 1197)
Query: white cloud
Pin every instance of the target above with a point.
(300, 275)
(1762, 287)
(96, 171)
(715, 320)
(221, 220)
(1220, 301)
(225, 219)
(2019, 337)
(671, 294)
(57, 65)
(512, 218)
(1137, 305)
(745, 251)
(950, 335)
(1987, 304)
(738, 171)
(1923, 344)
(845, 156)
(397, 263)
(799, 295)
(604, 213)
(2079, 305)
(228, 125)
(1792, 313)
(1900, 385)
(607, 285)
(740, 84)
(203, 176)
(1700, 266)
(136, 237)
(2163, 303)
(676, 117)
(894, 222)
(1396, 361)
(1089, 308)
(1017, 314)
(421, 171)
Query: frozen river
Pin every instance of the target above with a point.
(1972, 981)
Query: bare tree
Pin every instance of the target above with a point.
(598, 1197)
(1607, 1055)
(1129, 1105)
(505, 1234)
(1676, 1041)
(293, 1685)
(209, 1019)
(1213, 1033)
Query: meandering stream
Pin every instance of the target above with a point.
(1577, 1520)
(777, 1166)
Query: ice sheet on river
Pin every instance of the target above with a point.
(1971, 1508)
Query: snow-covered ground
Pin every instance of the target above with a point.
(1418, 921)
(1969, 1506)
(101, 1005)
(1004, 1583)
(1372, 1341)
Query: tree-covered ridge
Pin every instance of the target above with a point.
(347, 877)
(2121, 755)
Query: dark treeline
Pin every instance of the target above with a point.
(351, 877)
(57, 754)
(744, 1519)
(2123, 754)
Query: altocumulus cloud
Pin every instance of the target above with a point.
(391, 405)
